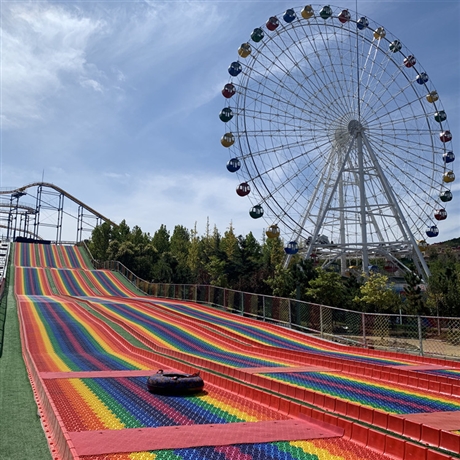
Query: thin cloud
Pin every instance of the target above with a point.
(90, 83)
(181, 199)
(43, 51)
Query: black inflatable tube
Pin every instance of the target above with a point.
(174, 383)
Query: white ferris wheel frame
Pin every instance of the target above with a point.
(350, 137)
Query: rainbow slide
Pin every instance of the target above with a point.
(90, 340)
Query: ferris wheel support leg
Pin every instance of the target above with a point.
(343, 256)
(402, 223)
(287, 259)
(325, 209)
(322, 178)
(362, 199)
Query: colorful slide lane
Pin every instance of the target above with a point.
(62, 339)
(173, 333)
(267, 334)
(426, 373)
(49, 255)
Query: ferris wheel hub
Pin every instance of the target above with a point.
(344, 129)
(355, 127)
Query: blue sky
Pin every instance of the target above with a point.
(118, 102)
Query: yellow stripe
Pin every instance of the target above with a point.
(323, 454)
(99, 409)
(229, 409)
(142, 456)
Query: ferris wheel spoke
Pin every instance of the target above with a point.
(388, 124)
(372, 99)
(307, 213)
(290, 112)
(328, 79)
(400, 220)
(294, 159)
(273, 99)
(408, 187)
(376, 71)
(395, 105)
(321, 76)
(288, 178)
(416, 155)
(300, 192)
(317, 86)
(279, 65)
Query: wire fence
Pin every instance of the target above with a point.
(420, 335)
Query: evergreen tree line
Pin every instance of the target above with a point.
(245, 264)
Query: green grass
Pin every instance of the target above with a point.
(21, 433)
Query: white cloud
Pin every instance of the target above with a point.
(90, 83)
(113, 175)
(182, 199)
(44, 49)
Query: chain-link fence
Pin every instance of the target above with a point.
(420, 335)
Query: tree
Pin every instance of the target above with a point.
(100, 241)
(377, 295)
(414, 303)
(122, 232)
(228, 258)
(327, 289)
(293, 280)
(161, 239)
(179, 248)
(213, 270)
(352, 288)
(216, 271)
(162, 271)
(444, 285)
(194, 261)
(251, 274)
(125, 253)
(281, 282)
(180, 242)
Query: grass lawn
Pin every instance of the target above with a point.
(21, 433)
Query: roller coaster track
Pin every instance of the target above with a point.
(8, 206)
(63, 192)
(19, 216)
(38, 237)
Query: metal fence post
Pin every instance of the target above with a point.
(263, 308)
(420, 334)
(290, 314)
(363, 321)
(321, 321)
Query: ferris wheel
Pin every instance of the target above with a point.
(338, 138)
